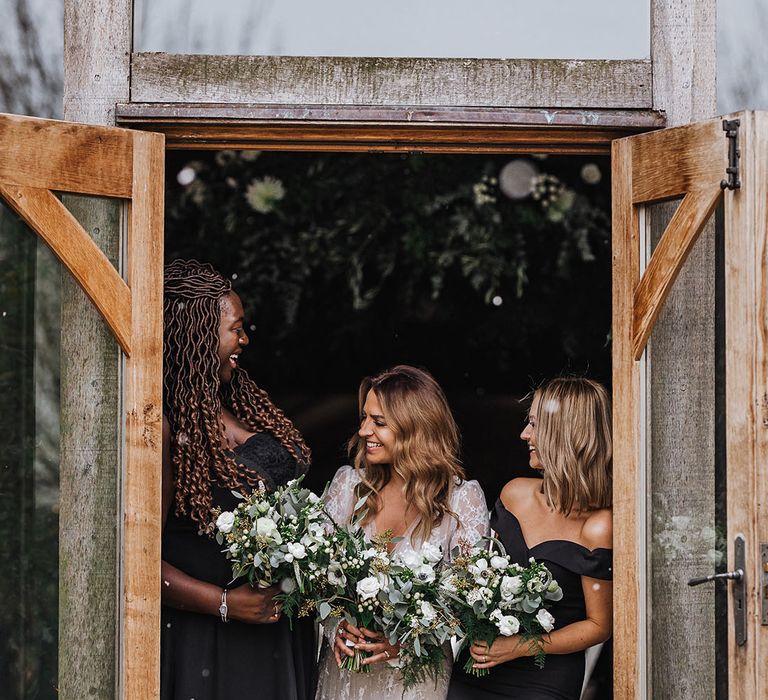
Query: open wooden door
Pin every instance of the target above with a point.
(695, 164)
(37, 158)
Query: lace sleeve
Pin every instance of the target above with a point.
(340, 498)
(472, 511)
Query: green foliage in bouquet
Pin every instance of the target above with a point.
(494, 597)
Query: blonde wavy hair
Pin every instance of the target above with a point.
(573, 439)
(425, 454)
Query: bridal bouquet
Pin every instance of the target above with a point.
(492, 596)
(270, 537)
(414, 615)
(347, 575)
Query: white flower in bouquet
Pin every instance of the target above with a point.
(267, 528)
(428, 613)
(225, 521)
(369, 553)
(425, 573)
(296, 550)
(431, 552)
(507, 624)
(449, 584)
(368, 587)
(499, 562)
(545, 619)
(336, 575)
(409, 559)
(478, 568)
(535, 585)
(510, 587)
(474, 596)
(234, 548)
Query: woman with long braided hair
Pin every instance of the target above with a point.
(221, 432)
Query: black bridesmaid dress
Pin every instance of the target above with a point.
(203, 658)
(563, 674)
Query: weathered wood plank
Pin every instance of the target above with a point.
(97, 46)
(142, 519)
(746, 326)
(146, 113)
(66, 157)
(672, 162)
(628, 485)
(681, 367)
(159, 77)
(355, 137)
(91, 269)
(667, 260)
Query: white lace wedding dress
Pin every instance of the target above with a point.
(383, 683)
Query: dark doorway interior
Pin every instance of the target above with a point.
(491, 271)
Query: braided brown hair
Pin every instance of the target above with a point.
(194, 395)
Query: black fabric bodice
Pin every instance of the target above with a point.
(563, 674)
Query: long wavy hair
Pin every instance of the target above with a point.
(194, 395)
(573, 439)
(425, 453)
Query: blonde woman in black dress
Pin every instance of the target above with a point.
(563, 520)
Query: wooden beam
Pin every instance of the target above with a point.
(672, 162)
(388, 129)
(159, 77)
(667, 261)
(140, 639)
(628, 485)
(70, 243)
(65, 157)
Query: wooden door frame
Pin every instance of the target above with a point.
(40, 157)
(689, 161)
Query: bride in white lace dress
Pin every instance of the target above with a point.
(405, 457)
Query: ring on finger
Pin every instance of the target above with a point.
(485, 659)
(387, 654)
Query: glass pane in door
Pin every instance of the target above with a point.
(687, 626)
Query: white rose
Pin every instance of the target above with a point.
(297, 550)
(428, 613)
(287, 585)
(368, 587)
(546, 620)
(474, 596)
(225, 522)
(410, 559)
(266, 527)
(495, 615)
(510, 586)
(425, 573)
(499, 562)
(508, 625)
(431, 552)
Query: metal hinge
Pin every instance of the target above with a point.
(731, 129)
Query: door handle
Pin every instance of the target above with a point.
(739, 591)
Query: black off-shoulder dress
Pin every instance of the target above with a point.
(206, 659)
(563, 674)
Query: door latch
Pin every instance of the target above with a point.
(739, 590)
(733, 180)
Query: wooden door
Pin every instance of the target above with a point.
(690, 164)
(37, 158)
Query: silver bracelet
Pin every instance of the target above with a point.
(224, 608)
